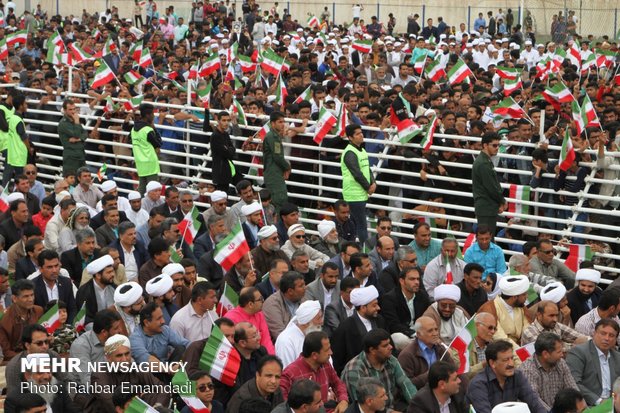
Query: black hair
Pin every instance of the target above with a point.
(496, 347)
(374, 338)
(104, 319)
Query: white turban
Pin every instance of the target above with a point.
(173, 268)
(364, 295)
(62, 195)
(14, 196)
(306, 312)
(133, 195)
(108, 185)
(588, 274)
(447, 292)
(127, 294)
(554, 291)
(267, 231)
(325, 227)
(511, 407)
(38, 359)
(159, 285)
(152, 185)
(113, 343)
(514, 285)
(250, 208)
(295, 228)
(99, 264)
(218, 196)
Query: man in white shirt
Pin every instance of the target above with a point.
(135, 213)
(290, 341)
(195, 320)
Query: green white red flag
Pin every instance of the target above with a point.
(79, 323)
(362, 46)
(4, 50)
(4, 199)
(136, 51)
(204, 95)
(145, 58)
(264, 131)
(558, 94)
(407, 130)
(580, 122)
(525, 352)
(109, 46)
(449, 276)
(79, 55)
(509, 73)
(306, 95)
(132, 77)
(512, 85)
(138, 405)
(102, 171)
(237, 109)
(574, 54)
(51, 319)
(189, 226)
(589, 114)
(435, 71)
(271, 62)
(427, 141)
(228, 300)
(518, 194)
(103, 76)
(588, 63)
(181, 380)
(246, 63)
(133, 103)
(324, 124)
(459, 72)
(578, 254)
(281, 91)
(419, 63)
(230, 250)
(211, 65)
(313, 21)
(567, 154)
(508, 108)
(469, 241)
(463, 343)
(20, 37)
(220, 358)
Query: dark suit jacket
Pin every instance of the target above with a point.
(415, 365)
(23, 268)
(425, 401)
(65, 294)
(338, 261)
(97, 220)
(388, 277)
(396, 313)
(348, 337)
(105, 235)
(140, 254)
(211, 270)
(252, 241)
(335, 313)
(232, 280)
(202, 245)
(86, 294)
(577, 306)
(10, 232)
(164, 210)
(71, 261)
(62, 403)
(265, 288)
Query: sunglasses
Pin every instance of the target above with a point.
(205, 387)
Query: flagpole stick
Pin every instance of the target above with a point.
(452, 342)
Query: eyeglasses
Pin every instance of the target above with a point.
(546, 252)
(494, 145)
(30, 173)
(205, 387)
(185, 201)
(491, 328)
(411, 261)
(386, 228)
(259, 299)
(41, 342)
(299, 236)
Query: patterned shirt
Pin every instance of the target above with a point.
(547, 383)
(325, 376)
(391, 375)
(567, 334)
(585, 325)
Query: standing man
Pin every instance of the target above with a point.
(18, 145)
(488, 198)
(276, 168)
(146, 143)
(358, 182)
(72, 137)
(223, 152)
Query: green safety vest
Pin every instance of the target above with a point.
(147, 162)
(352, 191)
(4, 136)
(17, 152)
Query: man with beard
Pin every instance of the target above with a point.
(437, 270)
(556, 293)
(586, 296)
(46, 386)
(501, 382)
(473, 296)
(308, 318)
(242, 274)
(117, 351)
(267, 250)
(253, 217)
(128, 301)
(300, 262)
(450, 317)
(347, 338)
(250, 310)
(328, 239)
(547, 321)
(326, 288)
(135, 213)
(547, 371)
(98, 293)
(508, 308)
(178, 272)
(219, 200)
(206, 242)
(297, 243)
(162, 294)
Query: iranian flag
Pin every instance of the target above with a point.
(220, 358)
(281, 92)
(110, 106)
(407, 130)
(211, 65)
(4, 50)
(574, 54)
(271, 63)
(362, 46)
(580, 122)
(525, 352)
(138, 405)
(4, 199)
(341, 124)
(56, 39)
(79, 55)
(511, 85)
(588, 113)
(230, 250)
(228, 300)
(190, 225)
(102, 171)
(508, 108)
(558, 93)
(306, 95)
(192, 73)
(246, 63)
(606, 406)
(230, 73)
(109, 46)
(17, 38)
(145, 58)
(231, 52)
(133, 103)
(558, 58)
(181, 380)
(136, 51)
(567, 155)
(427, 141)
(313, 21)
(449, 277)
(324, 124)
(434, 71)
(578, 254)
(588, 63)
(459, 72)
(542, 68)
(237, 109)
(51, 319)
(510, 73)
(469, 241)
(605, 58)
(463, 343)
(519, 193)
(79, 323)
(419, 63)
(205, 95)
(263, 131)
(103, 76)
(132, 77)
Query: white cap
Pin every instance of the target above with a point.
(447, 292)
(511, 407)
(514, 285)
(295, 228)
(364, 295)
(250, 208)
(133, 195)
(173, 268)
(325, 227)
(528, 42)
(152, 185)
(108, 185)
(267, 231)
(113, 343)
(218, 196)
(554, 291)
(14, 196)
(159, 285)
(306, 312)
(99, 264)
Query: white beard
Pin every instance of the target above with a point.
(49, 397)
(312, 328)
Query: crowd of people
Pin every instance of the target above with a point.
(349, 320)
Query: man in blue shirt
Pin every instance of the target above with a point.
(424, 246)
(485, 252)
(479, 22)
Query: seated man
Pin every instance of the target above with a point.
(290, 342)
(596, 364)
(403, 258)
(250, 309)
(500, 382)
(486, 326)
(443, 388)
(545, 263)
(371, 396)
(608, 307)
(449, 317)
(473, 296)
(556, 293)
(547, 320)
(486, 253)
(297, 242)
(280, 307)
(343, 260)
(436, 271)
(265, 385)
(326, 288)
(382, 255)
(98, 292)
(336, 313)
(425, 247)
(572, 401)
(376, 360)
(586, 295)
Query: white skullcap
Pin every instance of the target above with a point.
(173, 268)
(447, 292)
(528, 42)
(152, 185)
(127, 294)
(295, 228)
(306, 312)
(99, 264)
(133, 195)
(325, 227)
(113, 343)
(504, 40)
(364, 295)
(554, 291)
(514, 285)
(159, 285)
(398, 44)
(218, 196)
(108, 186)
(539, 45)
(588, 274)
(267, 231)
(62, 195)
(476, 42)
(14, 196)
(250, 208)
(38, 360)
(265, 40)
(511, 407)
